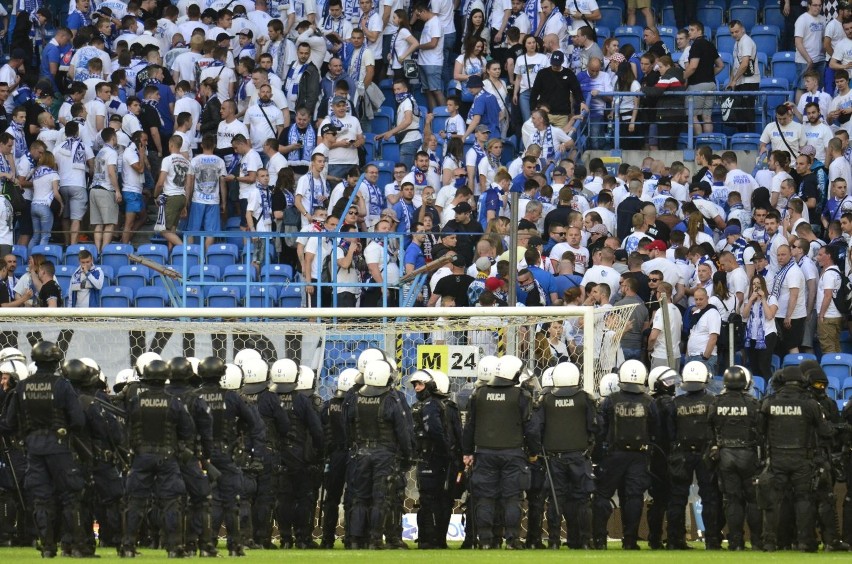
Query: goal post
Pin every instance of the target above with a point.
(329, 340)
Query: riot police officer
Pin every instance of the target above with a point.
(792, 422)
(380, 436)
(157, 422)
(686, 425)
(498, 427)
(229, 414)
(434, 458)
(336, 457)
(629, 425)
(735, 422)
(306, 386)
(662, 381)
(536, 493)
(567, 416)
(453, 431)
(16, 528)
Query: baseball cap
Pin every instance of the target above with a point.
(655, 246)
(808, 150)
(620, 255)
(483, 264)
(222, 37)
(732, 230)
(493, 284)
(463, 207)
(474, 82)
(247, 32)
(389, 214)
(482, 129)
(45, 87)
(338, 100)
(557, 58)
(329, 128)
(598, 229)
(458, 260)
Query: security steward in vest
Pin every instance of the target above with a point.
(793, 425)
(48, 412)
(95, 446)
(300, 448)
(686, 424)
(229, 414)
(567, 417)
(157, 422)
(434, 458)
(662, 382)
(194, 458)
(379, 434)
(629, 426)
(455, 473)
(828, 458)
(336, 457)
(16, 528)
(735, 422)
(499, 426)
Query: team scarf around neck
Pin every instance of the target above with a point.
(377, 198)
(308, 139)
(779, 280)
(20, 139)
(545, 141)
(755, 330)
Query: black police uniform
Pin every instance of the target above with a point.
(499, 426)
(393, 526)
(334, 473)
(432, 468)
(229, 413)
(16, 524)
(686, 424)
(793, 420)
(380, 436)
(826, 501)
(301, 448)
(846, 416)
(568, 421)
(108, 475)
(660, 488)
(453, 431)
(157, 422)
(735, 422)
(629, 425)
(49, 412)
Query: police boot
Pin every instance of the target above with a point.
(44, 514)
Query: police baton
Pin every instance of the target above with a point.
(13, 474)
(550, 479)
(113, 409)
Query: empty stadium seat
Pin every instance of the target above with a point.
(63, 277)
(72, 252)
(154, 252)
(629, 34)
(833, 388)
(716, 141)
(276, 273)
(133, 276)
(839, 366)
(724, 41)
(383, 119)
(20, 251)
(846, 388)
(772, 16)
(745, 142)
(152, 296)
(194, 297)
(236, 274)
(712, 16)
(116, 296)
(223, 296)
(669, 16)
(222, 255)
(603, 33)
(262, 296)
(389, 151)
(668, 36)
(759, 383)
(192, 254)
(766, 38)
(796, 359)
(290, 296)
(779, 85)
(53, 253)
(612, 15)
(744, 11)
(784, 66)
(115, 255)
(204, 273)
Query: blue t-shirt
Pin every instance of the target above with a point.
(485, 105)
(562, 282)
(52, 54)
(490, 201)
(544, 279)
(75, 21)
(414, 255)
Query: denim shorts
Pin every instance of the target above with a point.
(431, 78)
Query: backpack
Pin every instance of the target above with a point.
(325, 275)
(843, 295)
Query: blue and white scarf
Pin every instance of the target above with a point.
(545, 142)
(377, 200)
(755, 331)
(779, 280)
(74, 145)
(308, 139)
(20, 139)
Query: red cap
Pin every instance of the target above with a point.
(655, 246)
(493, 284)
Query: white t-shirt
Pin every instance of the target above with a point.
(432, 57)
(206, 170)
(349, 130)
(769, 325)
(668, 269)
(314, 192)
(130, 179)
(347, 275)
(43, 179)
(261, 210)
(745, 47)
(818, 137)
(413, 131)
(675, 329)
(742, 182)
(793, 133)
(811, 30)
(839, 168)
(710, 323)
(830, 280)
(72, 171)
(374, 254)
(106, 156)
(250, 162)
(738, 282)
(258, 120)
(527, 67)
(176, 167)
(793, 279)
(581, 256)
(602, 275)
(225, 132)
(400, 46)
(274, 166)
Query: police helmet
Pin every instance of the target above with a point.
(608, 385)
(547, 377)
(232, 377)
(422, 376)
(346, 380)
(510, 367)
(156, 371)
(31, 368)
(16, 369)
(793, 375)
(378, 373)
(566, 374)
(486, 369)
(194, 362)
(695, 376)
(123, 378)
(93, 366)
(442, 381)
(817, 376)
(306, 379)
(244, 355)
(77, 372)
(181, 369)
(46, 351)
(632, 376)
(11, 353)
(736, 378)
(368, 356)
(144, 360)
(255, 370)
(211, 368)
(284, 376)
(662, 379)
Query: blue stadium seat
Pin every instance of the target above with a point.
(115, 255)
(232, 224)
(784, 66)
(766, 38)
(612, 15)
(63, 276)
(152, 296)
(775, 363)
(795, 359)
(222, 254)
(236, 274)
(779, 85)
(724, 41)
(133, 276)
(21, 252)
(712, 16)
(276, 273)
(668, 36)
(389, 151)
(603, 34)
(629, 34)
(744, 11)
(116, 296)
(370, 145)
(109, 273)
(846, 388)
(262, 296)
(727, 58)
(838, 366)
(72, 251)
(53, 253)
(763, 64)
(772, 16)
(745, 142)
(194, 297)
(716, 141)
(669, 16)
(193, 257)
(223, 296)
(384, 119)
(205, 272)
(154, 252)
(833, 388)
(290, 296)
(841, 404)
(759, 384)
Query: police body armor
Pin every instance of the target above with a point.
(250, 393)
(426, 445)
(691, 412)
(224, 433)
(38, 412)
(787, 427)
(452, 413)
(736, 420)
(371, 428)
(334, 427)
(498, 422)
(297, 436)
(629, 429)
(565, 421)
(151, 429)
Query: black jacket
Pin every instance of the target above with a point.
(309, 89)
(550, 87)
